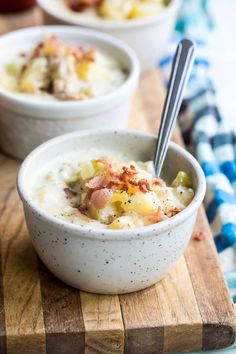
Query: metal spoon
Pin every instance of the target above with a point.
(180, 71)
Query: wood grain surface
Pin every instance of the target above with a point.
(63, 318)
(104, 330)
(190, 309)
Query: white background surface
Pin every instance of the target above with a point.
(224, 57)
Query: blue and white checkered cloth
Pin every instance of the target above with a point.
(207, 135)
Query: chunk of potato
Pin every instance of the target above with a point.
(123, 222)
(168, 199)
(13, 69)
(119, 196)
(34, 77)
(82, 69)
(103, 215)
(115, 9)
(133, 189)
(144, 9)
(141, 203)
(93, 212)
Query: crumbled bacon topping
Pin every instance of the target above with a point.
(144, 185)
(133, 182)
(125, 188)
(90, 54)
(121, 180)
(78, 53)
(100, 187)
(84, 206)
(80, 5)
(128, 172)
(110, 219)
(157, 216)
(54, 46)
(173, 212)
(158, 182)
(97, 182)
(199, 235)
(100, 198)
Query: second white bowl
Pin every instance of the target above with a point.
(25, 123)
(147, 36)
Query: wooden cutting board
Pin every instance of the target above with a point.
(190, 309)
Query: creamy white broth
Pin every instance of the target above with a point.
(48, 191)
(103, 76)
(51, 179)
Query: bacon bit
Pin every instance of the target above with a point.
(158, 182)
(78, 53)
(90, 54)
(69, 193)
(125, 188)
(157, 216)
(110, 219)
(133, 182)
(40, 45)
(199, 235)
(129, 170)
(84, 206)
(114, 180)
(144, 185)
(127, 174)
(100, 198)
(80, 5)
(56, 45)
(173, 212)
(81, 215)
(97, 182)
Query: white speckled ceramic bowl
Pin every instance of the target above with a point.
(146, 36)
(25, 122)
(101, 260)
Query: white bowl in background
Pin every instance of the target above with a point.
(147, 36)
(102, 260)
(25, 122)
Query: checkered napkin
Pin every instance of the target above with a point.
(207, 135)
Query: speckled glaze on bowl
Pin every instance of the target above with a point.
(107, 261)
(26, 123)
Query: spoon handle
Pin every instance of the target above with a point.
(181, 67)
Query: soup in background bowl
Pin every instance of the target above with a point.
(40, 106)
(147, 33)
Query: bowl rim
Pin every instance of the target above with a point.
(84, 32)
(108, 234)
(110, 24)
